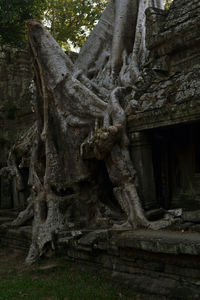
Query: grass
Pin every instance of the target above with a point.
(62, 281)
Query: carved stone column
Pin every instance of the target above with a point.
(141, 154)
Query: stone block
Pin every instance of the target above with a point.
(191, 216)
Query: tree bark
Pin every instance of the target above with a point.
(74, 101)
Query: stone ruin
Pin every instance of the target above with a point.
(112, 162)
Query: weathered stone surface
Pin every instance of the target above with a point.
(16, 238)
(155, 214)
(171, 88)
(16, 116)
(92, 237)
(162, 242)
(166, 273)
(169, 96)
(5, 220)
(191, 216)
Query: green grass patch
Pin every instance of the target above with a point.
(63, 282)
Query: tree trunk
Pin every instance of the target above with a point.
(74, 101)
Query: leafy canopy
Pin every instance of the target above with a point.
(168, 3)
(13, 13)
(69, 21)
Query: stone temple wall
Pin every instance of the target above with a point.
(15, 110)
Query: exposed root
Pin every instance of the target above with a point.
(24, 215)
(67, 110)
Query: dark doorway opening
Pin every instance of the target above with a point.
(176, 165)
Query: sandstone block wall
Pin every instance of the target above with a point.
(15, 107)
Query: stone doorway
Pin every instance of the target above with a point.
(176, 164)
(167, 161)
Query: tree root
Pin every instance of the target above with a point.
(24, 215)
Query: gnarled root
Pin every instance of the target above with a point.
(104, 140)
(128, 198)
(33, 254)
(121, 171)
(24, 215)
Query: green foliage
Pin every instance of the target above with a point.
(168, 3)
(70, 21)
(64, 282)
(13, 13)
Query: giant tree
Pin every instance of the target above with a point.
(81, 120)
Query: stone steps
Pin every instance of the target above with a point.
(4, 220)
(167, 262)
(14, 237)
(10, 213)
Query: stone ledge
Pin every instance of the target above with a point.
(164, 242)
(142, 256)
(161, 242)
(164, 116)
